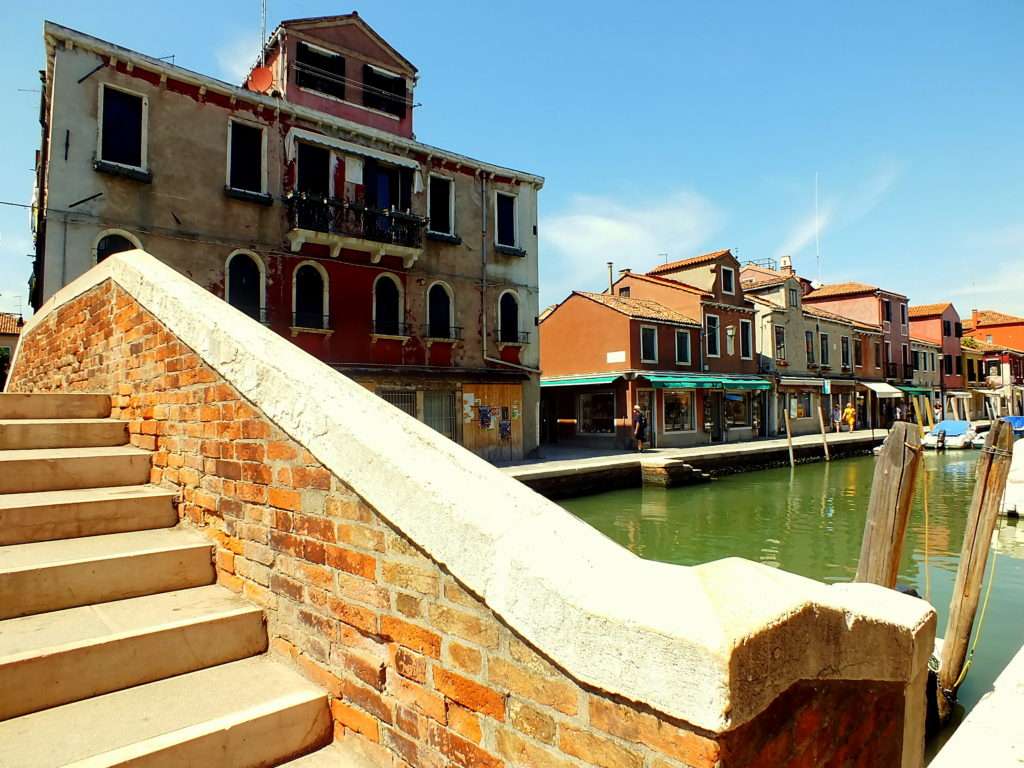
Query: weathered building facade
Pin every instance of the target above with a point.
(940, 324)
(304, 200)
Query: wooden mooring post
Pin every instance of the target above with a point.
(789, 436)
(990, 484)
(892, 491)
(824, 435)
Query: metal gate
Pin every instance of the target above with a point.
(403, 399)
(439, 412)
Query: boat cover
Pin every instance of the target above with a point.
(1016, 422)
(952, 427)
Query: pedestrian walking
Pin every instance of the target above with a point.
(850, 416)
(837, 418)
(639, 428)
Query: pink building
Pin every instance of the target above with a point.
(940, 324)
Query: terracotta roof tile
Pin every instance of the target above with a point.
(983, 346)
(928, 310)
(669, 281)
(9, 323)
(639, 309)
(693, 261)
(991, 317)
(922, 340)
(840, 289)
(825, 314)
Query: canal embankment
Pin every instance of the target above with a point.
(567, 473)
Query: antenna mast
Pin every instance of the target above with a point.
(263, 31)
(817, 224)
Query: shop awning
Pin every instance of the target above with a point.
(957, 393)
(668, 381)
(580, 381)
(917, 390)
(746, 384)
(796, 381)
(881, 389)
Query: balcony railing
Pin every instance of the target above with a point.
(259, 314)
(351, 219)
(442, 331)
(391, 328)
(312, 321)
(513, 337)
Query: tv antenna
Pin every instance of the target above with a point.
(263, 31)
(817, 227)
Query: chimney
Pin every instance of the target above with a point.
(611, 279)
(786, 265)
(974, 318)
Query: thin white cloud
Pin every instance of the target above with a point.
(836, 212)
(235, 57)
(576, 243)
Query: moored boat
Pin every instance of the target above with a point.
(950, 433)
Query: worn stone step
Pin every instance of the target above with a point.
(58, 469)
(243, 714)
(54, 406)
(58, 657)
(22, 434)
(52, 575)
(340, 754)
(49, 515)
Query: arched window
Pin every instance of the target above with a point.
(508, 318)
(387, 306)
(439, 312)
(244, 284)
(309, 297)
(113, 241)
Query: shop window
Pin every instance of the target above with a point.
(683, 347)
(310, 298)
(387, 306)
(245, 157)
(648, 344)
(122, 127)
(596, 413)
(780, 342)
(442, 205)
(679, 411)
(800, 405)
(384, 91)
(712, 332)
(737, 409)
(505, 216)
(320, 70)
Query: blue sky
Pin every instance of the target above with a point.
(667, 127)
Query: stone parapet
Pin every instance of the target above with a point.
(453, 614)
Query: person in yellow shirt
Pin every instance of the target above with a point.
(850, 415)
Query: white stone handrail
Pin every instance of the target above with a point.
(712, 645)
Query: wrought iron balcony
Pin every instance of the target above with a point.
(311, 321)
(344, 223)
(259, 314)
(391, 328)
(442, 332)
(513, 337)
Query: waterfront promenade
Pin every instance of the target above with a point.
(564, 471)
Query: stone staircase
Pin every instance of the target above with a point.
(116, 645)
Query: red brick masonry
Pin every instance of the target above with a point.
(419, 668)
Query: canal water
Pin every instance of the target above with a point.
(810, 521)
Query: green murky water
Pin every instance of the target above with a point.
(810, 521)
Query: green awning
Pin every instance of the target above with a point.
(580, 381)
(682, 381)
(916, 390)
(746, 384)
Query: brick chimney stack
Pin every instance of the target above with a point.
(786, 265)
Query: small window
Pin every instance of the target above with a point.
(903, 314)
(505, 215)
(648, 344)
(947, 328)
(320, 70)
(858, 353)
(387, 307)
(508, 317)
(794, 297)
(959, 366)
(728, 280)
(679, 411)
(780, 342)
(384, 91)
(886, 310)
(746, 340)
(122, 127)
(683, 347)
(442, 205)
(932, 355)
(111, 244)
(826, 357)
(711, 331)
(245, 285)
(959, 330)
(245, 157)
(624, 292)
(878, 354)
(844, 350)
(803, 405)
(310, 305)
(809, 346)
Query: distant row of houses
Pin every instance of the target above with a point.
(717, 351)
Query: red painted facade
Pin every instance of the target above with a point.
(943, 328)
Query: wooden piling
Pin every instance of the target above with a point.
(892, 491)
(990, 484)
(824, 436)
(916, 399)
(789, 435)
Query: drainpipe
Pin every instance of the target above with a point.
(483, 285)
